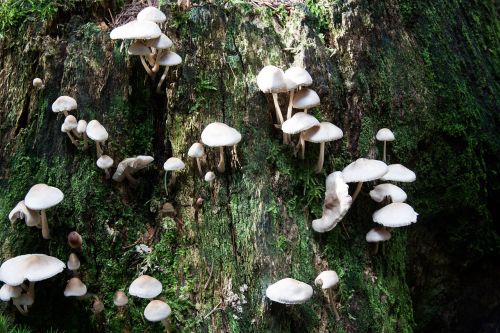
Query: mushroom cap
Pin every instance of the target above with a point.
(271, 79)
(327, 279)
(152, 14)
(73, 263)
(96, 131)
(170, 58)
(104, 162)
(71, 121)
(157, 311)
(120, 298)
(136, 30)
(381, 191)
(305, 99)
(132, 165)
(399, 173)
(398, 214)
(219, 135)
(37, 82)
(64, 103)
(138, 48)
(209, 176)
(31, 218)
(32, 267)
(160, 43)
(145, 286)
(196, 150)
(324, 132)
(7, 292)
(65, 128)
(299, 122)
(289, 291)
(385, 134)
(299, 75)
(290, 85)
(81, 127)
(376, 235)
(173, 164)
(43, 196)
(75, 287)
(75, 241)
(364, 170)
(97, 306)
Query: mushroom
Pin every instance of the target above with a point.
(158, 310)
(41, 197)
(363, 170)
(399, 173)
(7, 292)
(96, 132)
(299, 122)
(385, 135)
(81, 129)
(38, 83)
(120, 298)
(75, 288)
(167, 59)
(105, 162)
(97, 306)
(305, 99)
(66, 128)
(23, 302)
(327, 280)
(197, 151)
(324, 132)
(159, 44)
(220, 135)
(140, 49)
(129, 166)
(152, 14)
(73, 263)
(64, 104)
(31, 217)
(289, 291)
(136, 30)
(393, 192)
(397, 214)
(209, 177)
(172, 164)
(336, 205)
(145, 286)
(377, 235)
(168, 209)
(301, 78)
(271, 80)
(75, 241)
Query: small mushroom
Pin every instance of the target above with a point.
(145, 286)
(167, 59)
(298, 123)
(393, 192)
(8, 292)
(397, 214)
(140, 49)
(41, 197)
(31, 217)
(289, 291)
(96, 132)
(385, 135)
(73, 263)
(399, 173)
(151, 14)
(197, 151)
(66, 128)
(172, 164)
(328, 280)
(129, 166)
(324, 132)
(363, 170)
(23, 302)
(302, 78)
(38, 83)
(64, 104)
(209, 177)
(97, 306)
(305, 99)
(105, 162)
(220, 135)
(158, 310)
(75, 288)
(377, 235)
(75, 241)
(72, 123)
(168, 209)
(120, 299)
(81, 128)
(271, 80)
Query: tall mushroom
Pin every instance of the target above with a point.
(324, 132)
(271, 80)
(67, 128)
(289, 291)
(98, 134)
(328, 280)
(129, 166)
(299, 122)
(158, 310)
(105, 162)
(31, 218)
(220, 135)
(167, 59)
(81, 129)
(385, 135)
(64, 104)
(41, 197)
(172, 164)
(363, 170)
(397, 214)
(197, 151)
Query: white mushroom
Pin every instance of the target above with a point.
(198, 152)
(31, 217)
(377, 235)
(38, 83)
(221, 135)
(129, 166)
(289, 291)
(158, 310)
(385, 135)
(105, 162)
(75, 288)
(64, 104)
(399, 173)
(393, 192)
(81, 129)
(324, 132)
(271, 80)
(363, 170)
(41, 197)
(396, 214)
(145, 286)
(96, 132)
(299, 122)
(172, 164)
(328, 280)
(167, 59)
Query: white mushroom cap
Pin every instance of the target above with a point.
(73, 262)
(398, 214)
(364, 170)
(96, 131)
(138, 48)
(152, 14)
(324, 132)
(75, 287)
(136, 30)
(32, 267)
(290, 85)
(399, 173)
(65, 128)
(120, 298)
(64, 103)
(173, 164)
(385, 134)
(104, 162)
(209, 176)
(305, 99)
(300, 121)
(161, 43)
(170, 58)
(71, 122)
(31, 217)
(132, 164)
(157, 311)
(7, 292)
(271, 79)
(289, 291)
(327, 279)
(81, 127)
(42, 196)
(37, 82)
(300, 76)
(381, 191)
(196, 150)
(145, 286)
(376, 235)
(219, 134)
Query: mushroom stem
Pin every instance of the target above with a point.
(20, 309)
(286, 137)
(107, 173)
(375, 251)
(65, 113)
(166, 323)
(331, 296)
(156, 65)
(75, 132)
(385, 144)
(45, 225)
(305, 110)
(321, 158)
(165, 182)
(130, 179)
(302, 147)
(146, 67)
(163, 77)
(356, 192)
(98, 148)
(198, 162)
(221, 167)
(279, 116)
(71, 138)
